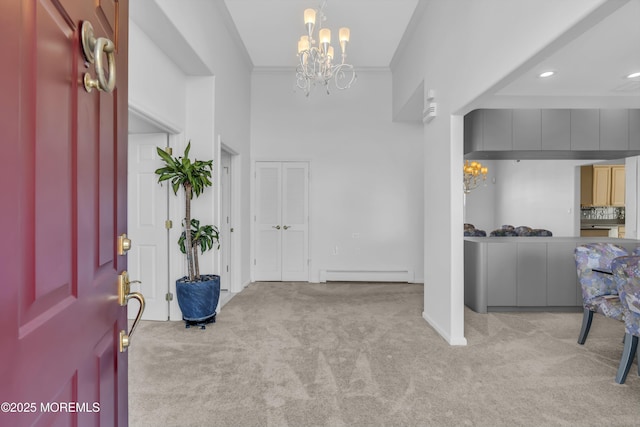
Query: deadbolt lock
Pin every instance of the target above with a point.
(124, 244)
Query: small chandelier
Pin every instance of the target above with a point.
(471, 173)
(316, 55)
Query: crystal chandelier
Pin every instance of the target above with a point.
(316, 55)
(471, 173)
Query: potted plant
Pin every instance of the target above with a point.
(198, 294)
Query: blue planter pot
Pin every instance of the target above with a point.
(198, 300)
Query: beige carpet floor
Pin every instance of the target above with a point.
(358, 354)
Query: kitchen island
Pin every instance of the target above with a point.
(525, 273)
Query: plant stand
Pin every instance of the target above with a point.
(201, 323)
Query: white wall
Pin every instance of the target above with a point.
(535, 193)
(480, 203)
(366, 172)
(207, 28)
(149, 70)
(463, 49)
(197, 77)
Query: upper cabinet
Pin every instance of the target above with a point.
(602, 185)
(617, 185)
(585, 130)
(555, 129)
(552, 133)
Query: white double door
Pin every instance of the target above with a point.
(282, 221)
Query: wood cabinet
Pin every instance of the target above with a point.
(617, 185)
(594, 232)
(602, 185)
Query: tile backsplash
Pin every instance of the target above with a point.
(602, 213)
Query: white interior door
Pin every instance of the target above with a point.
(281, 221)
(268, 260)
(147, 213)
(295, 223)
(225, 228)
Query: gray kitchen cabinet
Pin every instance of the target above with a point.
(562, 278)
(531, 274)
(497, 130)
(551, 133)
(585, 130)
(501, 274)
(525, 273)
(634, 129)
(473, 131)
(614, 129)
(556, 129)
(527, 130)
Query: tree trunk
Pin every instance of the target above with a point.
(195, 261)
(188, 190)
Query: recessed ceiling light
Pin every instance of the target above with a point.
(546, 74)
(633, 75)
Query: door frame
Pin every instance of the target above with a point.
(253, 209)
(235, 238)
(174, 137)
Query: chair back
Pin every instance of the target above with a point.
(598, 256)
(626, 272)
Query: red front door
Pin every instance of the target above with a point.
(63, 204)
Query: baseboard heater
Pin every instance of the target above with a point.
(353, 275)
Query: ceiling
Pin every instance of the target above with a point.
(593, 65)
(590, 67)
(270, 29)
(590, 70)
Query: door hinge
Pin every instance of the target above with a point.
(227, 268)
(168, 224)
(168, 150)
(168, 296)
(254, 261)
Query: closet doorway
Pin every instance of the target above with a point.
(281, 221)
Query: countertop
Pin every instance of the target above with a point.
(601, 222)
(567, 239)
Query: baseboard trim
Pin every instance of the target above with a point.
(448, 338)
(367, 275)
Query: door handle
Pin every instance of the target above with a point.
(93, 48)
(277, 227)
(286, 227)
(124, 295)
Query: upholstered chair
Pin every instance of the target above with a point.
(540, 232)
(522, 230)
(471, 231)
(626, 272)
(504, 231)
(599, 290)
